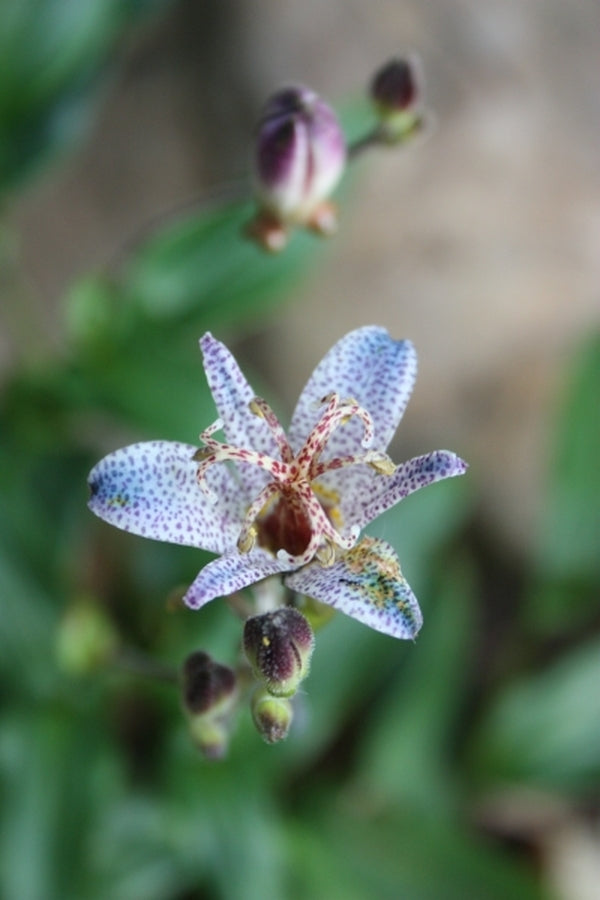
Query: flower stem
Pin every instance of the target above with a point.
(134, 662)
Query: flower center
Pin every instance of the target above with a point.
(292, 516)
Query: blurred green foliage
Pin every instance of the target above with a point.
(375, 794)
(52, 54)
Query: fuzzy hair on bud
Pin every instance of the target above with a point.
(279, 646)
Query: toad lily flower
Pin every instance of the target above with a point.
(290, 505)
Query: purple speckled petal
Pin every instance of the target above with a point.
(378, 372)
(232, 395)
(151, 489)
(387, 490)
(367, 584)
(231, 573)
(282, 162)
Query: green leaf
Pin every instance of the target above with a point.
(545, 729)
(570, 523)
(405, 757)
(135, 337)
(26, 626)
(204, 271)
(351, 852)
(51, 57)
(54, 779)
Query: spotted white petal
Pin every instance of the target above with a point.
(360, 508)
(230, 573)
(367, 584)
(151, 489)
(233, 395)
(378, 372)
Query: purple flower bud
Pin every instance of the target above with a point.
(279, 645)
(272, 716)
(300, 157)
(395, 87)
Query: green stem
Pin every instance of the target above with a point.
(134, 662)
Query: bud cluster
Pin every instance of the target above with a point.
(278, 646)
(300, 152)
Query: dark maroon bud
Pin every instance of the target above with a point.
(206, 684)
(395, 86)
(279, 646)
(209, 692)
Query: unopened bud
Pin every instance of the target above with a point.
(279, 645)
(209, 692)
(206, 685)
(396, 93)
(272, 716)
(300, 157)
(86, 638)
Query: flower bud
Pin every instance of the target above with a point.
(209, 692)
(86, 639)
(396, 93)
(206, 684)
(300, 157)
(272, 716)
(279, 645)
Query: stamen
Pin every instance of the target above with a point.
(261, 408)
(376, 460)
(217, 451)
(383, 465)
(207, 434)
(247, 539)
(326, 554)
(336, 414)
(248, 533)
(297, 520)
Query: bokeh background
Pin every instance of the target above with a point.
(465, 765)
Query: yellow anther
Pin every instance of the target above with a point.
(256, 409)
(326, 554)
(383, 466)
(202, 453)
(247, 540)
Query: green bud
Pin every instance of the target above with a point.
(279, 646)
(211, 736)
(272, 716)
(86, 639)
